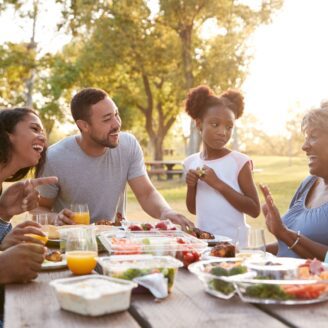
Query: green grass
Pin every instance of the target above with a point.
(281, 175)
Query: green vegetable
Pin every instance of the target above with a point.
(131, 274)
(170, 274)
(218, 271)
(222, 286)
(267, 291)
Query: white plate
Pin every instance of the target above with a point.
(217, 238)
(51, 265)
(207, 256)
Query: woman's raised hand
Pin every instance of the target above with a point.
(22, 196)
(271, 213)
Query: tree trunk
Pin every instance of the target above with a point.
(31, 47)
(158, 148)
(186, 39)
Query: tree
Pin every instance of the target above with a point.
(133, 57)
(24, 70)
(236, 19)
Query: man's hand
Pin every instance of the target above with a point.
(179, 219)
(21, 263)
(18, 235)
(22, 196)
(65, 216)
(271, 213)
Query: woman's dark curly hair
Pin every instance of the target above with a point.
(200, 99)
(9, 118)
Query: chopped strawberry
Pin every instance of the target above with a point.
(147, 226)
(161, 226)
(135, 227)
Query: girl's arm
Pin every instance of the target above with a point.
(248, 202)
(191, 180)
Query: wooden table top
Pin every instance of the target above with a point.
(35, 305)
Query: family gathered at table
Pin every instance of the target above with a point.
(95, 166)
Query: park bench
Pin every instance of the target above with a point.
(163, 168)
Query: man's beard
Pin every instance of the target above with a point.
(105, 142)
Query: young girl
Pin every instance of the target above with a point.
(219, 180)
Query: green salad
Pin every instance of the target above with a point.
(223, 286)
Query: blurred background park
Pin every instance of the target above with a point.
(148, 54)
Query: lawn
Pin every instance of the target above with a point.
(279, 173)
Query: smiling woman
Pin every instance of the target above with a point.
(22, 143)
(303, 230)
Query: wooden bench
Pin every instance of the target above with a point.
(169, 173)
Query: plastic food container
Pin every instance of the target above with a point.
(289, 292)
(274, 268)
(93, 295)
(132, 266)
(215, 275)
(159, 243)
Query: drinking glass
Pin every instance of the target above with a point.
(81, 213)
(255, 242)
(81, 250)
(45, 220)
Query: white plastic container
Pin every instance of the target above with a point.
(93, 295)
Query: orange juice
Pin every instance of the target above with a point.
(81, 218)
(81, 262)
(44, 239)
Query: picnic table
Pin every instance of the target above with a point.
(166, 168)
(35, 305)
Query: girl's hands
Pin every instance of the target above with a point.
(271, 213)
(210, 177)
(192, 178)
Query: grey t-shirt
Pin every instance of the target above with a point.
(97, 181)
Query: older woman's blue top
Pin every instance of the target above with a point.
(311, 222)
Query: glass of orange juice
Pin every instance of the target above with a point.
(81, 250)
(81, 213)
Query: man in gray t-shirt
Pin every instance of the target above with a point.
(94, 166)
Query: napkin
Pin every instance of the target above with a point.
(156, 283)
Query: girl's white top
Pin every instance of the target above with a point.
(213, 212)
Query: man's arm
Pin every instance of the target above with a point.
(154, 204)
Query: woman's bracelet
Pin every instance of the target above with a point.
(296, 241)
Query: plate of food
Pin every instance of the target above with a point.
(218, 239)
(54, 260)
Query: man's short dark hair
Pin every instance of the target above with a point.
(83, 100)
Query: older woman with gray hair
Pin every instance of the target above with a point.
(303, 230)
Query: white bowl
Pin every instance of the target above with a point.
(93, 295)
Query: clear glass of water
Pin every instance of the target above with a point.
(255, 244)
